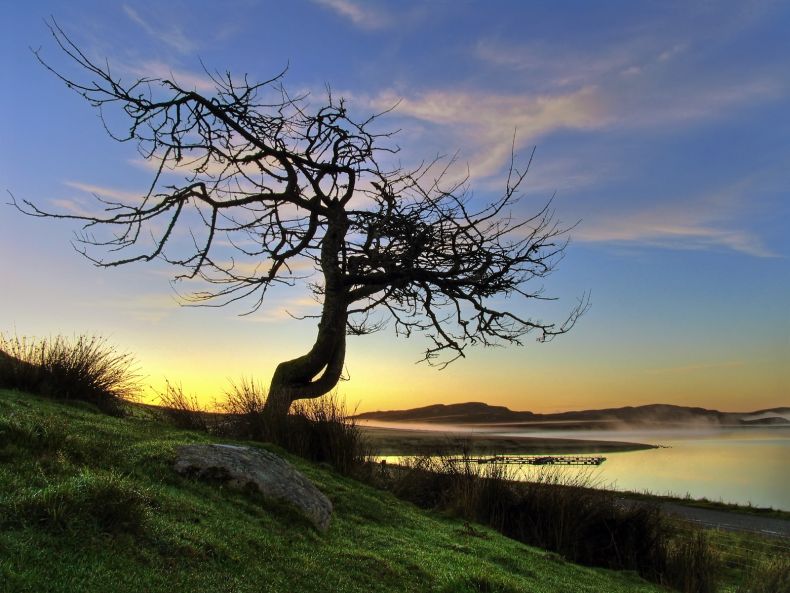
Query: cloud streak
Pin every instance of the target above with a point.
(107, 193)
(670, 233)
(184, 78)
(697, 223)
(172, 36)
(360, 14)
(486, 121)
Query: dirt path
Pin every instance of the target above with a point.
(730, 521)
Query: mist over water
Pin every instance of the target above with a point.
(749, 465)
(743, 465)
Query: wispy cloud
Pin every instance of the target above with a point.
(655, 105)
(72, 207)
(172, 36)
(361, 14)
(487, 121)
(107, 193)
(670, 234)
(184, 78)
(671, 52)
(696, 224)
(77, 205)
(548, 66)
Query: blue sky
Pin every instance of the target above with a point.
(661, 127)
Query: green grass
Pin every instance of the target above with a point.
(752, 563)
(89, 502)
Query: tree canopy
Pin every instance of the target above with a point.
(298, 193)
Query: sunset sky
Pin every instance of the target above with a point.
(663, 128)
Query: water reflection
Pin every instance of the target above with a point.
(742, 465)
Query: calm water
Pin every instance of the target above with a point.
(743, 465)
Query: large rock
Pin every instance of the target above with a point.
(275, 478)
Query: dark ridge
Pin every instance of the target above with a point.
(474, 412)
(478, 412)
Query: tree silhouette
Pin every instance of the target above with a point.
(305, 194)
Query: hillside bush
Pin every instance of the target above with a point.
(318, 429)
(85, 368)
(562, 514)
(183, 410)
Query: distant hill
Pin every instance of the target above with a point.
(481, 413)
(474, 412)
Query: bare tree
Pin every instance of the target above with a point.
(285, 185)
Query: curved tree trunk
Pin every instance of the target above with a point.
(317, 372)
(297, 378)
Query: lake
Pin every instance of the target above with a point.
(741, 465)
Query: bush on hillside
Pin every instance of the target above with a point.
(85, 368)
(318, 429)
(565, 515)
(243, 407)
(183, 410)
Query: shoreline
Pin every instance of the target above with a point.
(398, 441)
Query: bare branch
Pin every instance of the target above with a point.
(267, 184)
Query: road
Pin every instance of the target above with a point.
(730, 521)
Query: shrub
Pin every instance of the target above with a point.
(691, 564)
(319, 429)
(182, 410)
(322, 431)
(244, 409)
(565, 515)
(85, 368)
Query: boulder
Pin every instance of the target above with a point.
(242, 467)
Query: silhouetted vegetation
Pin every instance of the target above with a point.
(567, 516)
(243, 406)
(691, 564)
(85, 368)
(311, 182)
(319, 430)
(183, 410)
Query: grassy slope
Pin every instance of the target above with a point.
(57, 534)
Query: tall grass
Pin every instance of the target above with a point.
(769, 576)
(243, 406)
(692, 564)
(322, 430)
(183, 410)
(319, 429)
(562, 514)
(84, 368)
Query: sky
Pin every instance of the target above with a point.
(661, 128)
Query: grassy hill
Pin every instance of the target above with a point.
(89, 502)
